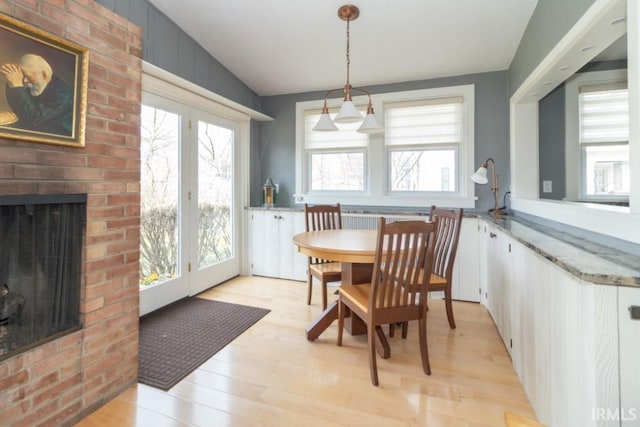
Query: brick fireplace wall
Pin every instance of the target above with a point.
(59, 382)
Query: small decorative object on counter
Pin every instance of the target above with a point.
(269, 191)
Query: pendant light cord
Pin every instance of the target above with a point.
(347, 88)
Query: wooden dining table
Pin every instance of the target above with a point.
(356, 251)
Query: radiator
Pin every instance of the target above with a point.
(370, 221)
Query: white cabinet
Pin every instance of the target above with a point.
(562, 334)
(564, 339)
(497, 278)
(629, 356)
(271, 249)
(465, 284)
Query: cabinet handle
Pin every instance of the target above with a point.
(634, 312)
(492, 235)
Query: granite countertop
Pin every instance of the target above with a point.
(583, 258)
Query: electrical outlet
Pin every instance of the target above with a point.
(547, 186)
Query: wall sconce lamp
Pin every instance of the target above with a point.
(480, 177)
(348, 112)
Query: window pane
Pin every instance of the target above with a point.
(607, 170)
(337, 171)
(215, 193)
(423, 170)
(159, 185)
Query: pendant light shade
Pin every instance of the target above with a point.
(370, 125)
(348, 111)
(325, 124)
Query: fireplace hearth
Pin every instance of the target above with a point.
(41, 246)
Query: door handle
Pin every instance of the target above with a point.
(492, 235)
(634, 312)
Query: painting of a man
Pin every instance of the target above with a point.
(41, 101)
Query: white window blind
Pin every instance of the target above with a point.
(428, 121)
(346, 137)
(603, 115)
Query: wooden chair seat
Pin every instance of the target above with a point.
(331, 270)
(358, 295)
(436, 283)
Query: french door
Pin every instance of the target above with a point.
(189, 200)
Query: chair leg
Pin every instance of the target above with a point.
(373, 366)
(424, 351)
(449, 305)
(309, 288)
(405, 329)
(324, 295)
(341, 310)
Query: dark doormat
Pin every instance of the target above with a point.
(176, 339)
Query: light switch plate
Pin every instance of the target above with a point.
(547, 186)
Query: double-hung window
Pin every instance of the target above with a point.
(336, 160)
(423, 157)
(423, 138)
(604, 139)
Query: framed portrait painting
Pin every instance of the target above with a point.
(43, 86)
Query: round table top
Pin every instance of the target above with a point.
(356, 246)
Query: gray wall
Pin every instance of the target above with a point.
(276, 156)
(167, 46)
(551, 143)
(550, 21)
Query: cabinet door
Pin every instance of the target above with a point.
(466, 269)
(530, 293)
(503, 287)
(257, 243)
(263, 243)
(284, 244)
(498, 276)
(629, 355)
(492, 274)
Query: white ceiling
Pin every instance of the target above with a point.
(290, 46)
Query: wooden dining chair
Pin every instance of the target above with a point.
(322, 217)
(446, 248)
(403, 249)
(447, 237)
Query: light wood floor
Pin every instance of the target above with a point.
(272, 376)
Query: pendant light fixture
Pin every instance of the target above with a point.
(348, 112)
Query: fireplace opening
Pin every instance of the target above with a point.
(41, 244)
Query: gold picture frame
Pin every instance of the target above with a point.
(50, 105)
